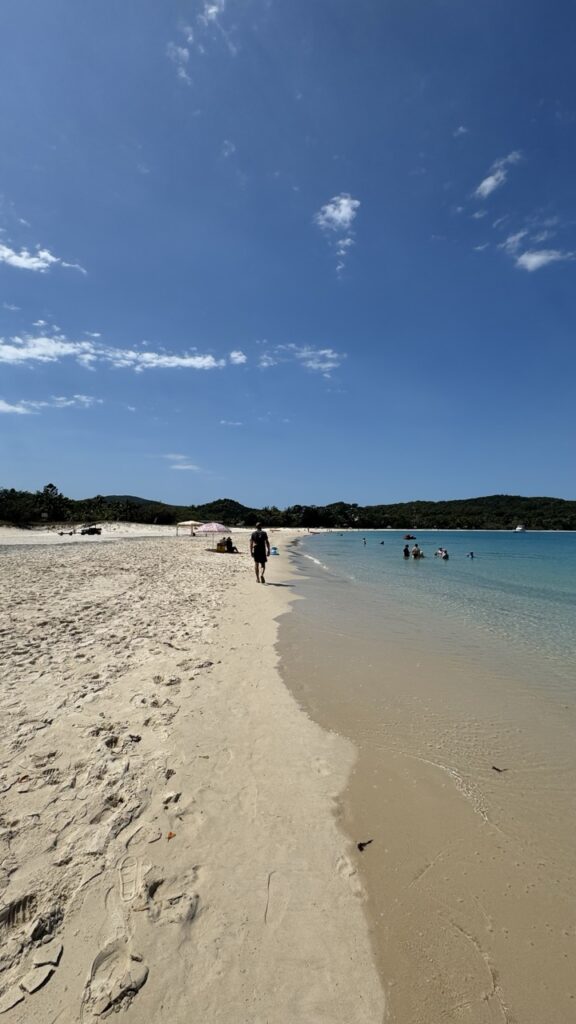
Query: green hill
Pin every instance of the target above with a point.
(494, 512)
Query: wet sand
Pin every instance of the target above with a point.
(470, 872)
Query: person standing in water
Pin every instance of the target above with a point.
(406, 551)
(260, 551)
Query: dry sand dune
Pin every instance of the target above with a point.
(168, 842)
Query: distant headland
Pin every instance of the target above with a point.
(494, 512)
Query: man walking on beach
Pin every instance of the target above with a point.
(260, 551)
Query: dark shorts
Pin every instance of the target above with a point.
(259, 556)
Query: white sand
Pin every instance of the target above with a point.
(167, 810)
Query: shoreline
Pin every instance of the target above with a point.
(169, 809)
(468, 874)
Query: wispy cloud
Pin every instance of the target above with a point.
(339, 214)
(498, 175)
(521, 247)
(209, 21)
(460, 131)
(231, 423)
(19, 409)
(180, 461)
(40, 260)
(336, 218)
(211, 11)
(535, 259)
(228, 148)
(45, 348)
(237, 358)
(179, 56)
(513, 243)
(319, 360)
(55, 402)
(10, 307)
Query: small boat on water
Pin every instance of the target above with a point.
(520, 529)
(409, 536)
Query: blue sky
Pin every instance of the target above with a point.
(288, 251)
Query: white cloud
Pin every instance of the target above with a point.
(479, 215)
(266, 361)
(498, 174)
(180, 461)
(43, 350)
(534, 259)
(339, 214)
(19, 409)
(481, 248)
(211, 11)
(46, 348)
(228, 148)
(41, 260)
(512, 244)
(179, 55)
(320, 360)
(55, 402)
(337, 217)
(237, 358)
(231, 423)
(61, 402)
(10, 307)
(460, 130)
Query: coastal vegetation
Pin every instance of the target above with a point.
(495, 512)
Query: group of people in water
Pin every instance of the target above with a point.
(416, 552)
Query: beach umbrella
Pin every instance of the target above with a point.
(212, 528)
(192, 523)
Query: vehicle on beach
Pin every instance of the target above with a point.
(90, 531)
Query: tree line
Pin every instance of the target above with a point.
(495, 512)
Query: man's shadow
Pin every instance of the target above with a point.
(279, 584)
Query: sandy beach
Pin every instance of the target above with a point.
(169, 832)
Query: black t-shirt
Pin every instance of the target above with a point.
(259, 541)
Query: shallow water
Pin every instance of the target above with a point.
(439, 671)
(518, 588)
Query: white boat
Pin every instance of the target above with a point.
(520, 529)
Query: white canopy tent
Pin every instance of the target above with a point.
(191, 523)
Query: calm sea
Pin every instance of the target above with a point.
(519, 588)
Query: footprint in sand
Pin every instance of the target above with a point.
(348, 872)
(18, 913)
(168, 900)
(116, 977)
(129, 875)
(277, 899)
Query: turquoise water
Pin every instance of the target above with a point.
(520, 587)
